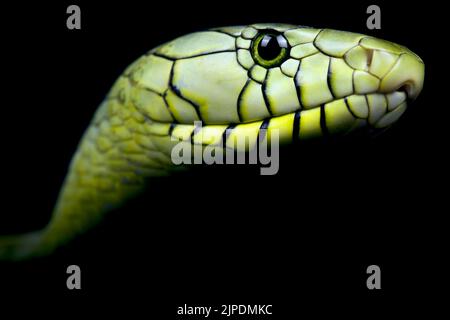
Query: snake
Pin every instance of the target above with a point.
(303, 83)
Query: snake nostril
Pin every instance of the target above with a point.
(407, 88)
(403, 88)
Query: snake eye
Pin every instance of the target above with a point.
(270, 49)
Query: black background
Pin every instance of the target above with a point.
(300, 240)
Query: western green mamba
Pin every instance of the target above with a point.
(305, 83)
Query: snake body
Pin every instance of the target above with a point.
(322, 82)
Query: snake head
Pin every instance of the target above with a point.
(303, 81)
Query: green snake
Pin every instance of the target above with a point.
(303, 82)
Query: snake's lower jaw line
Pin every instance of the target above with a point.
(406, 75)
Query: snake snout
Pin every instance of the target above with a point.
(407, 75)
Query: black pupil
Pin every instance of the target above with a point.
(270, 47)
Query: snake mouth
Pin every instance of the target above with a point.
(340, 116)
(337, 117)
(344, 115)
(376, 110)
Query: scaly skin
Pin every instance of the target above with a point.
(331, 83)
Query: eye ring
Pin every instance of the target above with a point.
(270, 49)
